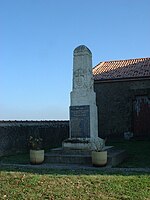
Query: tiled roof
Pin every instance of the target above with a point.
(120, 69)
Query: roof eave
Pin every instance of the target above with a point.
(122, 79)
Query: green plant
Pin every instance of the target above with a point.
(35, 143)
(97, 144)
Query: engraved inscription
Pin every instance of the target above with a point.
(80, 121)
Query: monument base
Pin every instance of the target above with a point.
(77, 143)
(65, 156)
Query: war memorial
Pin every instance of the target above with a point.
(83, 123)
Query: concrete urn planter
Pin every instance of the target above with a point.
(99, 158)
(36, 156)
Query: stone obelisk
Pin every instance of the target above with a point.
(83, 109)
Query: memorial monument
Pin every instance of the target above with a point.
(83, 109)
(83, 118)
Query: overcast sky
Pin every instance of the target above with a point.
(37, 39)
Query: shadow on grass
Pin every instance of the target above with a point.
(138, 152)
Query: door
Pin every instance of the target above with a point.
(141, 110)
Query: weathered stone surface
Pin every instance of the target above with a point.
(83, 95)
(83, 109)
(115, 106)
(69, 156)
(80, 121)
(15, 134)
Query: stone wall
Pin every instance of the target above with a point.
(115, 105)
(14, 135)
(115, 116)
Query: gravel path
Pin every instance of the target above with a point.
(76, 167)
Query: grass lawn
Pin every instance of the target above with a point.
(22, 183)
(73, 185)
(138, 152)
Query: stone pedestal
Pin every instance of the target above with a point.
(83, 109)
(65, 156)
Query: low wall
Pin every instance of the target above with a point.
(14, 135)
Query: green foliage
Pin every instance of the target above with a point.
(23, 185)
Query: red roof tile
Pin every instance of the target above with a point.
(120, 69)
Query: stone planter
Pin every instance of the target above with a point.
(36, 156)
(99, 158)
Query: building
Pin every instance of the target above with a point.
(123, 97)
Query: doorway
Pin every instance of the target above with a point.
(141, 113)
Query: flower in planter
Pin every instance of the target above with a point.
(97, 144)
(35, 143)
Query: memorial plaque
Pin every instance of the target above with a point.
(80, 121)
